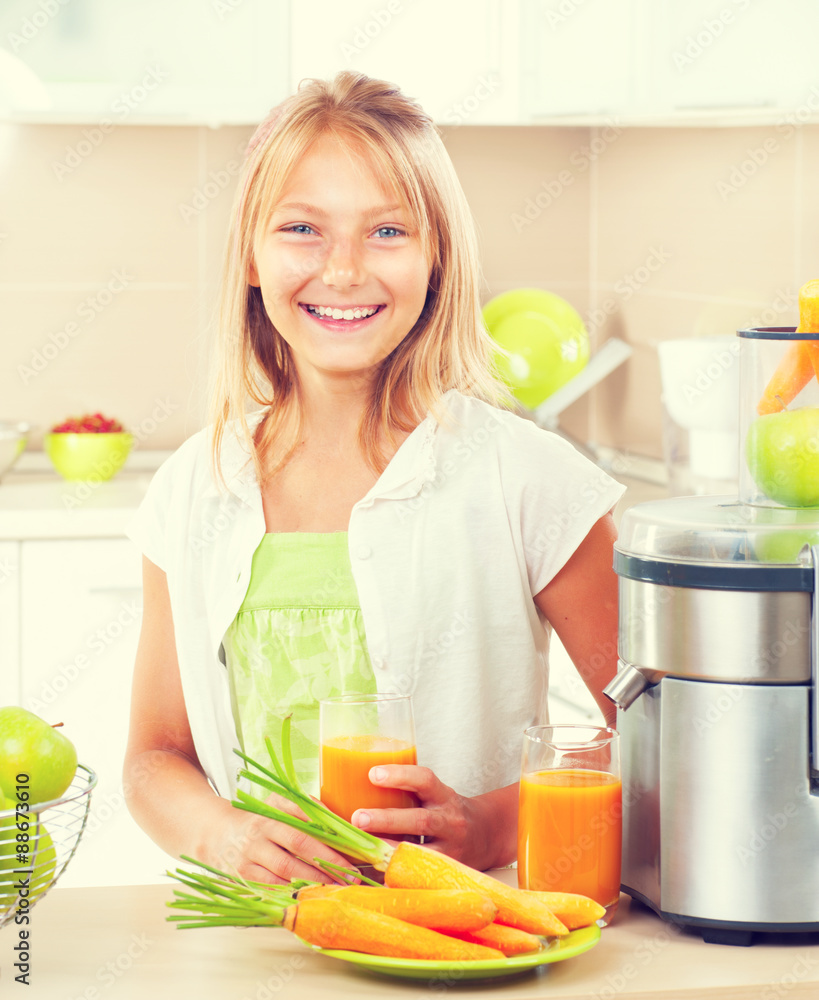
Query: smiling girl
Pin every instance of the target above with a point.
(363, 512)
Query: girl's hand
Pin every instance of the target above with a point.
(480, 831)
(265, 850)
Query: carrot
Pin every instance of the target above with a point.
(446, 910)
(572, 908)
(800, 362)
(809, 320)
(334, 923)
(809, 307)
(792, 374)
(413, 866)
(317, 892)
(509, 940)
(406, 866)
(221, 900)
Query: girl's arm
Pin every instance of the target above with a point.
(165, 787)
(581, 605)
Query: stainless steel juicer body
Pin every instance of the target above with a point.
(715, 690)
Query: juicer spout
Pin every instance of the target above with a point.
(627, 686)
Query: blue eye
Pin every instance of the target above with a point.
(300, 227)
(390, 231)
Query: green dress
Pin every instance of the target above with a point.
(298, 637)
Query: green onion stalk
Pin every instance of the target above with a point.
(322, 824)
(222, 899)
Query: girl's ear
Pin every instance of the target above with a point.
(253, 274)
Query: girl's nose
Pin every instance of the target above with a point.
(343, 267)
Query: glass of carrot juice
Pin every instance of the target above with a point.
(570, 813)
(357, 732)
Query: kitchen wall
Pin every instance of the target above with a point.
(110, 253)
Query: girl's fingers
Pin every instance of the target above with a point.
(395, 821)
(299, 851)
(412, 778)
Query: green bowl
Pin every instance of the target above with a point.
(546, 338)
(88, 457)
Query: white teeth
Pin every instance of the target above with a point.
(335, 313)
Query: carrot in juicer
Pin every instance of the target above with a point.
(809, 319)
(800, 362)
(792, 374)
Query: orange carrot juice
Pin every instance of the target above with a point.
(570, 833)
(345, 766)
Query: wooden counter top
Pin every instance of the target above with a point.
(114, 943)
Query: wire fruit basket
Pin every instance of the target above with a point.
(36, 845)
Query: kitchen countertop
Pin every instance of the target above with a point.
(35, 503)
(101, 943)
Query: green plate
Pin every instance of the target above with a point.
(451, 973)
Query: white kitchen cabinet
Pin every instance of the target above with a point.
(663, 61)
(80, 614)
(458, 59)
(197, 61)
(582, 59)
(743, 54)
(469, 62)
(9, 623)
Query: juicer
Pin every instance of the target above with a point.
(717, 686)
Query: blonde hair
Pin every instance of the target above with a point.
(447, 348)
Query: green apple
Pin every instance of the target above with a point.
(30, 746)
(40, 850)
(780, 533)
(782, 452)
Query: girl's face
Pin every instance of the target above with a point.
(342, 273)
